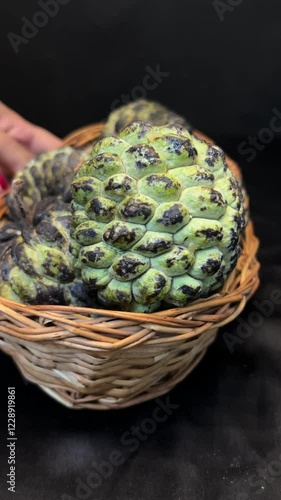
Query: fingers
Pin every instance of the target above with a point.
(42, 140)
(33, 138)
(13, 156)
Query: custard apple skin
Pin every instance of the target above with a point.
(44, 177)
(36, 264)
(141, 110)
(158, 217)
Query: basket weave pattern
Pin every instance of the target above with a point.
(102, 359)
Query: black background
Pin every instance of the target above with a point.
(224, 75)
(225, 78)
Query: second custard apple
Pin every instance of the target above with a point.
(46, 176)
(158, 216)
(36, 264)
(141, 110)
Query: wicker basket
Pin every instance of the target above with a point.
(101, 359)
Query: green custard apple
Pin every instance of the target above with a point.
(48, 175)
(37, 266)
(157, 216)
(141, 110)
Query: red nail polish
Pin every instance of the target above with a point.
(3, 182)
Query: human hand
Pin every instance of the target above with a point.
(20, 140)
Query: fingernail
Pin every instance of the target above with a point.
(3, 182)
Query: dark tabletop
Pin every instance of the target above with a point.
(221, 439)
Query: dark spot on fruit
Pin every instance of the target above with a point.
(190, 291)
(240, 221)
(144, 128)
(47, 231)
(89, 233)
(220, 275)
(49, 295)
(146, 155)
(234, 239)
(215, 197)
(211, 266)
(186, 259)
(120, 234)
(100, 166)
(97, 207)
(140, 126)
(234, 257)
(81, 293)
(213, 155)
(136, 208)
(113, 185)
(62, 272)
(93, 255)
(173, 260)
(171, 216)
(210, 234)
(104, 159)
(204, 176)
(155, 246)
(128, 266)
(233, 262)
(155, 179)
(159, 284)
(84, 185)
(21, 259)
(170, 262)
(177, 145)
(121, 296)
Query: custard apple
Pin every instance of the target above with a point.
(36, 264)
(47, 175)
(141, 110)
(157, 216)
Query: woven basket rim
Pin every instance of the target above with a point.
(168, 317)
